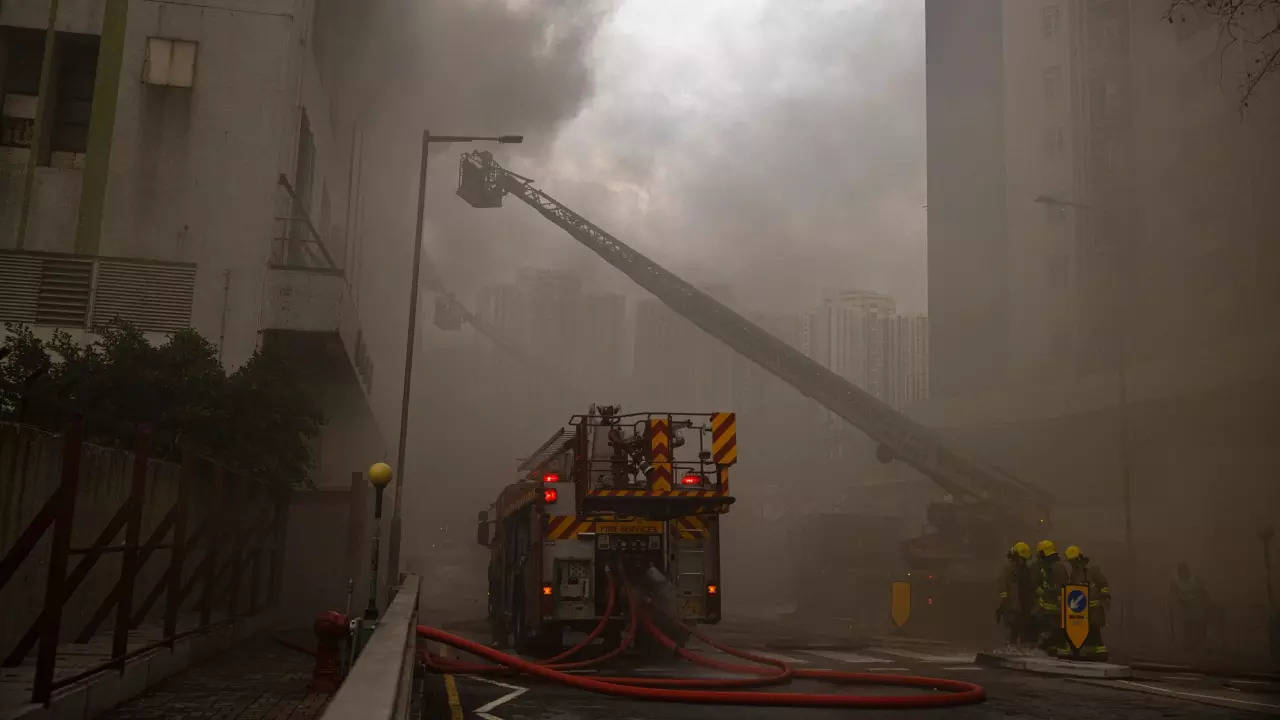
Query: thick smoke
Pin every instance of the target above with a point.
(776, 150)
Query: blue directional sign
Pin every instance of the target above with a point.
(1075, 613)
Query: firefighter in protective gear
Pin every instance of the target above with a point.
(1017, 595)
(1082, 573)
(1050, 575)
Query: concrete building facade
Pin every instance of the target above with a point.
(1092, 159)
(181, 165)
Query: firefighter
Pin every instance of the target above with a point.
(1016, 595)
(1050, 575)
(1082, 573)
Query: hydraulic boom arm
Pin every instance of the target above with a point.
(483, 182)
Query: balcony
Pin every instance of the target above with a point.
(87, 292)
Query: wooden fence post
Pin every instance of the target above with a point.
(239, 507)
(51, 616)
(281, 523)
(218, 508)
(132, 534)
(173, 594)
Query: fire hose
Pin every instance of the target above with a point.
(700, 690)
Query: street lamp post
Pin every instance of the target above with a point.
(393, 554)
(379, 475)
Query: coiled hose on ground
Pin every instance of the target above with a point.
(700, 690)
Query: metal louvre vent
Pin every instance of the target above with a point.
(150, 296)
(19, 287)
(63, 297)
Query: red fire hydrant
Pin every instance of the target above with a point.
(331, 630)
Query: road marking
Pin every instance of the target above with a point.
(962, 667)
(889, 669)
(483, 710)
(455, 704)
(777, 656)
(1181, 694)
(926, 657)
(846, 657)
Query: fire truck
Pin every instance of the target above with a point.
(609, 498)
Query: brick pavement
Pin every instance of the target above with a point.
(260, 680)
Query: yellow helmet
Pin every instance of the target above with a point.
(1073, 552)
(1021, 549)
(1046, 547)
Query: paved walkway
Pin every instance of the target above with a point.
(260, 680)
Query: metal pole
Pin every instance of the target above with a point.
(371, 611)
(393, 551)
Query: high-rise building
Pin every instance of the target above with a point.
(603, 318)
(1104, 281)
(1104, 139)
(906, 364)
(677, 361)
(845, 335)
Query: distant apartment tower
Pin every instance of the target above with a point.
(601, 335)
(845, 334)
(906, 366)
(680, 363)
(859, 336)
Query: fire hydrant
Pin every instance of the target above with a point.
(331, 631)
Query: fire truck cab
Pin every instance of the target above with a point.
(627, 495)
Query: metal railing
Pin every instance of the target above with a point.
(380, 684)
(297, 243)
(230, 538)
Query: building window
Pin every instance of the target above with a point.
(1055, 141)
(1053, 83)
(23, 50)
(73, 96)
(169, 62)
(66, 123)
(1050, 20)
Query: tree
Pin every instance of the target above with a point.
(259, 421)
(1249, 25)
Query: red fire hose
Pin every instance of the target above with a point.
(704, 690)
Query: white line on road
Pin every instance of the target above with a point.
(516, 691)
(777, 656)
(926, 657)
(962, 667)
(1179, 693)
(846, 657)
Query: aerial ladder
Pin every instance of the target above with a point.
(986, 507)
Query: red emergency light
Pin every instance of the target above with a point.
(690, 480)
(551, 477)
(549, 495)
(713, 589)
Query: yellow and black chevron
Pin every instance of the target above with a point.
(724, 438)
(660, 455)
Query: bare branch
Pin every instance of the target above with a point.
(1251, 26)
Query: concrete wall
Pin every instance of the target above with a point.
(30, 471)
(193, 171)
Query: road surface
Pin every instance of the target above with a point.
(1010, 694)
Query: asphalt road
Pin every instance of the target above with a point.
(1010, 694)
